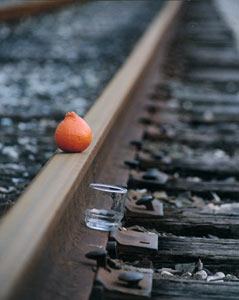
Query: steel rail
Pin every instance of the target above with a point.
(29, 224)
(24, 8)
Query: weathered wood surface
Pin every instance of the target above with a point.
(230, 107)
(193, 168)
(200, 98)
(189, 222)
(229, 141)
(170, 289)
(159, 126)
(23, 8)
(208, 97)
(54, 194)
(216, 254)
(194, 290)
(207, 42)
(216, 61)
(197, 119)
(223, 111)
(180, 185)
(212, 75)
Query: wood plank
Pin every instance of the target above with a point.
(38, 211)
(207, 98)
(195, 139)
(216, 254)
(217, 61)
(198, 119)
(217, 111)
(196, 101)
(194, 290)
(213, 75)
(188, 107)
(189, 222)
(182, 184)
(194, 167)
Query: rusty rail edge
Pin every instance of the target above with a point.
(23, 229)
(25, 8)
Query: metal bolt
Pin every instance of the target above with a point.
(155, 174)
(146, 200)
(145, 121)
(112, 248)
(131, 278)
(137, 144)
(152, 109)
(132, 163)
(99, 255)
(151, 174)
(158, 155)
(113, 264)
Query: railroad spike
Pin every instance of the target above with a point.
(146, 200)
(131, 278)
(155, 174)
(99, 255)
(132, 163)
(137, 144)
(111, 247)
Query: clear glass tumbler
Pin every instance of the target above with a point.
(106, 219)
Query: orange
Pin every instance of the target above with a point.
(73, 134)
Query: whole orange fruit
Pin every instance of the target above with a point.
(73, 134)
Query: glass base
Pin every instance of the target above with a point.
(102, 219)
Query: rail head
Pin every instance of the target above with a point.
(23, 229)
(24, 8)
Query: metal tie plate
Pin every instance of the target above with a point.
(145, 240)
(109, 279)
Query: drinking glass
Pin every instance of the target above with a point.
(106, 219)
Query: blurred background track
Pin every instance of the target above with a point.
(53, 63)
(14, 9)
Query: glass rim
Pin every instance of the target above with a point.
(108, 188)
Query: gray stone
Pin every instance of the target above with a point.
(198, 266)
(230, 277)
(200, 275)
(166, 274)
(216, 277)
(187, 275)
(155, 174)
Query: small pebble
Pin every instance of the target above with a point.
(11, 152)
(217, 276)
(167, 269)
(208, 116)
(216, 198)
(198, 266)
(200, 275)
(155, 174)
(166, 274)
(187, 275)
(208, 271)
(220, 274)
(230, 277)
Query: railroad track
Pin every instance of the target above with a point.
(48, 75)
(13, 10)
(170, 134)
